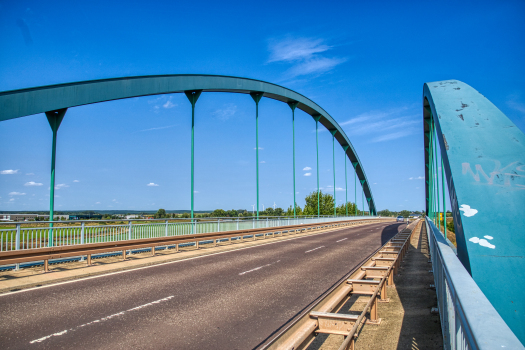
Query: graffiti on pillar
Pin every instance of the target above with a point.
(511, 176)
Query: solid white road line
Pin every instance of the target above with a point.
(311, 250)
(39, 340)
(341, 240)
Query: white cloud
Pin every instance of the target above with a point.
(97, 203)
(308, 174)
(306, 168)
(30, 174)
(513, 103)
(60, 186)
(384, 123)
(151, 184)
(259, 148)
(393, 136)
(291, 49)
(195, 191)
(76, 181)
(12, 200)
(32, 183)
(169, 104)
(315, 66)
(262, 162)
(9, 172)
(339, 189)
(159, 128)
(417, 178)
(225, 113)
(16, 194)
(304, 54)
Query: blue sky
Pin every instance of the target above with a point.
(363, 62)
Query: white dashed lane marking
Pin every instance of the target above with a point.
(39, 340)
(341, 240)
(257, 268)
(311, 250)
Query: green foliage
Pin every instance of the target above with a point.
(298, 211)
(386, 212)
(186, 215)
(326, 204)
(404, 213)
(161, 213)
(341, 210)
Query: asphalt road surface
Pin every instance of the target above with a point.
(232, 300)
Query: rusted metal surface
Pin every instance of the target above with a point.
(28, 255)
(370, 279)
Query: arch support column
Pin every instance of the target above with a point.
(193, 96)
(257, 97)
(55, 119)
(293, 105)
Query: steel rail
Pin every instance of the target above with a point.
(47, 253)
(300, 333)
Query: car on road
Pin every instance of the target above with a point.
(400, 218)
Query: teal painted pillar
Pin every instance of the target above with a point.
(193, 96)
(346, 181)
(444, 200)
(293, 105)
(437, 185)
(257, 97)
(355, 186)
(369, 209)
(363, 196)
(430, 182)
(317, 118)
(333, 132)
(55, 119)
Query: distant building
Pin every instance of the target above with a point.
(132, 216)
(30, 217)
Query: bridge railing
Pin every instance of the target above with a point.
(26, 235)
(468, 319)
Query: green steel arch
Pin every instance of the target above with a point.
(24, 102)
(483, 157)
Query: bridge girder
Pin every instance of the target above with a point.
(24, 102)
(483, 155)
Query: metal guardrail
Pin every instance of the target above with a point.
(48, 253)
(77, 232)
(468, 319)
(368, 279)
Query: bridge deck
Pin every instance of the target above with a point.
(227, 301)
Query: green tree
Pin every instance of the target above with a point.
(161, 213)
(326, 204)
(341, 210)
(289, 211)
(186, 215)
(385, 212)
(232, 213)
(404, 213)
(219, 213)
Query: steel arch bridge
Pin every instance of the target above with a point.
(479, 154)
(54, 100)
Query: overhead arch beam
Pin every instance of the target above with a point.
(484, 160)
(24, 102)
